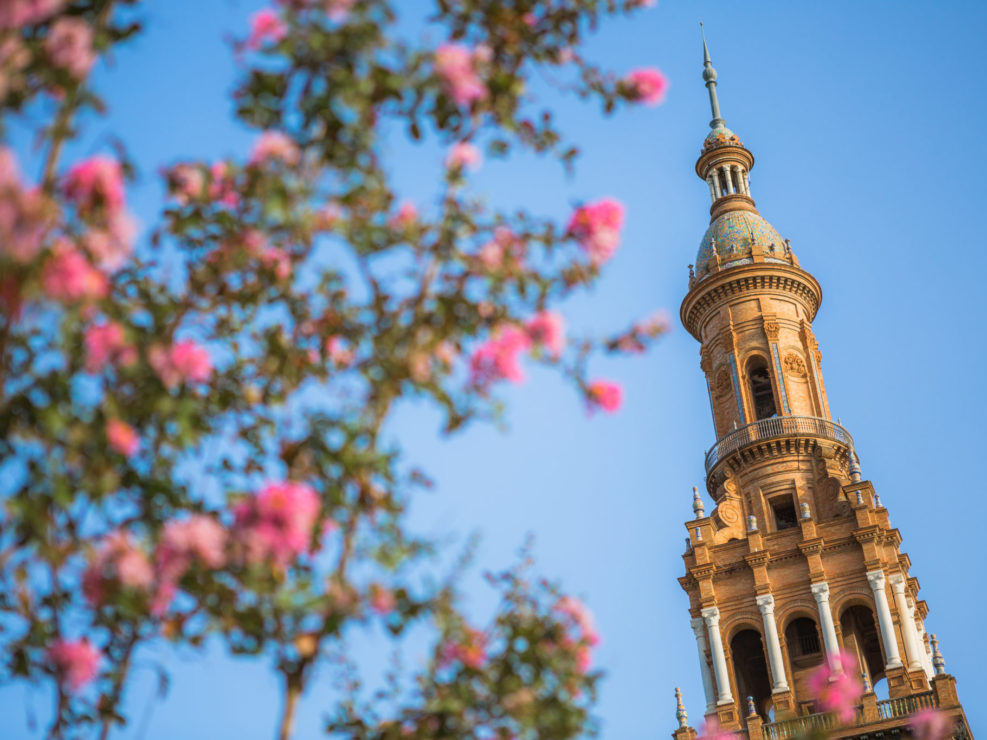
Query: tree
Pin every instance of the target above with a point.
(191, 432)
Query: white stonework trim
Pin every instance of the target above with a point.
(699, 630)
(712, 617)
(892, 658)
(766, 603)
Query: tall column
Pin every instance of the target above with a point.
(712, 189)
(906, 621)
(766, 604)
(729, 180)
(747, 182)
(925, 650)
(735, 171)
(712, 617)
(699, 630)
(715, 178)
(891, 657)
(821, 592)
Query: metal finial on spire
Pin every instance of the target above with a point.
(680, 713)
(697, 504)
(709, 77)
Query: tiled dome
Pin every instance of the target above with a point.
(734, 232)
(721, 136)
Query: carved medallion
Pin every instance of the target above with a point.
(794, 365)
(771, 329)
(722, 385)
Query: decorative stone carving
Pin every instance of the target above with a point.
(771, 329)
(794, 365)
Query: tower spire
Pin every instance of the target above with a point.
(709, 76)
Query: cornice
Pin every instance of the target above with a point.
(713, 290)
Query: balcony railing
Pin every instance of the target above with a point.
(905, 705)
(800, 726)
(776, 426)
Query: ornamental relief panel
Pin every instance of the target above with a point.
(794, 365)
(722, 385)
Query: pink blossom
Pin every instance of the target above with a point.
(646, 86)
(186, 360)
(96, 182)
(596, 227)
(338, 353)
(222, 187)
(275, 145)
(26, 215)
(106, 343)
(835, 687)
(382, 599)
(711, 731)
(337, 10)
(278, 261)
(463, 155)
(405, 218)
(122, 437)
(277, 523)
(118, 562)
(111, 246)
(931, 724)
(68, 276)
(328, 217)
(604, 394)
(70, 45)
(547, 329)
(187, 183)
(455, 67)
(75, 662)
(579, 617)
(15, 14)
(200, 538)
(495, 254)
(497, 358)
(265, 26)
(471, 650)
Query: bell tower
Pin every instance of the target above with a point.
(797, 562)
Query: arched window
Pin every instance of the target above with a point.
(751, 670)
(762, 394)
(860, 639)
(802, 638)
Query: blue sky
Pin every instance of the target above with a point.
(867, 122)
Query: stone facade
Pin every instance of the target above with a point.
(798, 563)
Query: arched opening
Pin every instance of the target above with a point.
(804, 645)
(860, 638)
(724, 190)
(762, 394)
(751, 670)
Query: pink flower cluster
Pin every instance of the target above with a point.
(265, 26)
(497, 359)
(183, 361)
(470, 650)
(15, 14)
(581, 634)
(463, 155)
(405, 218)
(505, 250)
(604, 394)
(119, 562)
(635, 340)
(106, 343)
(381, 599)
(647, 86)
(96, 187)
(26, 216)
(198, 539)
(75, 662)
(69, 277)
(596, 226)
(547, 330)
(277, 523)
(275, 145)
(836, 687)
(456, 67)
(69, 45)
(122, 437)
(931, 724)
